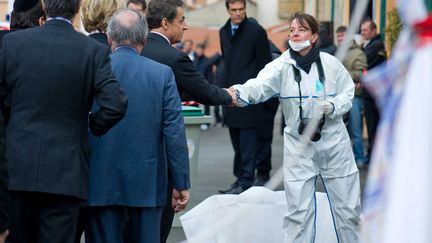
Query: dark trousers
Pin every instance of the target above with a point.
(372, 118)
(265, 138)
(42, 217)
(168, 212)
(244, 142)
(104, 224)
(217, 112)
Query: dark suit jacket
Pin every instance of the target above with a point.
(190, 83)
(53, 75)
(375, 52)
(244, 54)
(128, 165)
(4, 197)
(100, 37)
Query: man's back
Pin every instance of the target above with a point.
(52, 73)
(135, 147)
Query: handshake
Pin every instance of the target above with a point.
(233, 93)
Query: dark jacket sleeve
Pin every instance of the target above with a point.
(175, 136)
(109, 96)
(194, 84)
(4, 197)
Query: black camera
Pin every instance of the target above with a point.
(317, 134)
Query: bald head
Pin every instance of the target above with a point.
(127, 28)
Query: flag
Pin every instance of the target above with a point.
(398, 194)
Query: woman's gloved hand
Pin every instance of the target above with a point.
(326, 107)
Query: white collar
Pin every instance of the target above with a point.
(60, 18)
(166, 38)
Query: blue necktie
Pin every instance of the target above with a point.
(234, 29)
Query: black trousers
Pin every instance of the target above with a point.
(265, 138)
(38, 217)
(244, 143)
(167, 213)
(372, 118)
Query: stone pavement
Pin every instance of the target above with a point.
(215, 166)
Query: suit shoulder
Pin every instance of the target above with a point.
(90, 42)
(21, 34)
(150, 64)
(162, 53)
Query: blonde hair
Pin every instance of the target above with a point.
(96, 13)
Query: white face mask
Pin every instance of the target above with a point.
(298, 46)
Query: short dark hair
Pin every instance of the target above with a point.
(143, 3)
(62, 8)
(341, 29)
(372, 25)
(159, 9)
(27, 19)
(227, 2)
(303, 19)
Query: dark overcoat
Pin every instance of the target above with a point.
(244, 55)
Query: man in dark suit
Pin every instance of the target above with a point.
(25, 14)
(4, 195)
(245, 51)
(166, 22)
(128, 168)
(375, 52)
(53, 74)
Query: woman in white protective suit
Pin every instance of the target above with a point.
(307, 80)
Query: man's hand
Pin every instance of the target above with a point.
(233, 93)
(179, 200)
(3, 236)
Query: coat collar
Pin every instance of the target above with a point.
(126, 49)
(227, 27)
(57, 22)
(157, 37)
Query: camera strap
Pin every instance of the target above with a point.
(297, 78)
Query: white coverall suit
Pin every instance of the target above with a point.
(331, 156)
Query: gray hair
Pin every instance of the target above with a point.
(127, 27)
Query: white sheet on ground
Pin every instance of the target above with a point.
(255, 216)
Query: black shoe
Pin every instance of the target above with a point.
(260, 180)
(223, 191)
(236, 190)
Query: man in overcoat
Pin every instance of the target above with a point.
(245, 51)
(166, 21)
(376, 54)
(53, 74)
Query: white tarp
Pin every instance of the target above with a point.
(255, 216)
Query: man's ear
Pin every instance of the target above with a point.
(164, 23)
(42, 20)
(110, 42)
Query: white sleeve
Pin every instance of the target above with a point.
(263, 87)
(344, 92)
